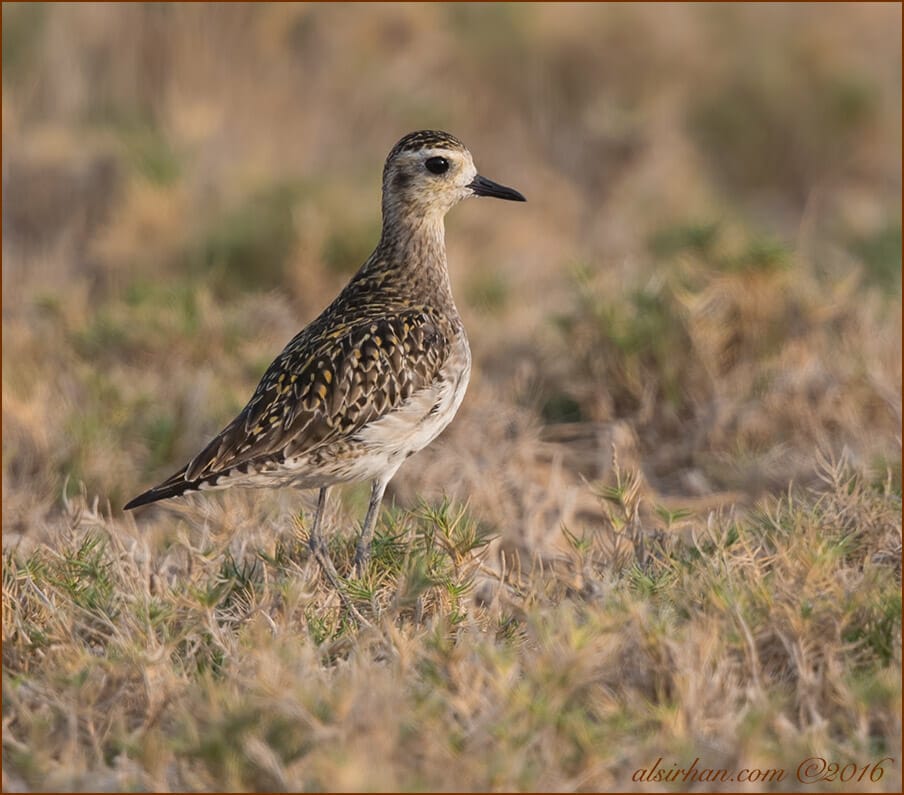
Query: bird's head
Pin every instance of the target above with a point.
(428, 172)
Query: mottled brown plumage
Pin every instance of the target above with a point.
(380, 372)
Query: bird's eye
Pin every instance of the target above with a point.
(437, 165)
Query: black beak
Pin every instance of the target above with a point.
(486, 187)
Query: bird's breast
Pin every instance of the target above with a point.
(423, 416)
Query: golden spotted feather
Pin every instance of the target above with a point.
(314, 393)
(356, 363)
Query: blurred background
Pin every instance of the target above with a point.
(706, 278)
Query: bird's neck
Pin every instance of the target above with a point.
(413, 252)
(422, 234)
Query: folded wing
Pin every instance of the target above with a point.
(317, 390)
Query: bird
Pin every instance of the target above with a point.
(377, 375)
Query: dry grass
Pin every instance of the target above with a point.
(705, 282)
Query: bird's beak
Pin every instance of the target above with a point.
(486, 187)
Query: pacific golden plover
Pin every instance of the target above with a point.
(378, 375)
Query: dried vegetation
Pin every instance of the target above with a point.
(667, 520)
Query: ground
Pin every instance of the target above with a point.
(666, 523)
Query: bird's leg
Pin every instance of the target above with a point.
(317, 543)
(318, 517)
(321, 553)
(362, 553)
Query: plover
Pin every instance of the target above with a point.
(378, 375)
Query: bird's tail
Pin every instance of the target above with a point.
(173, 486)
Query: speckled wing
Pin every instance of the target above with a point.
(319, 389)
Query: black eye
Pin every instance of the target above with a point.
(437, 165)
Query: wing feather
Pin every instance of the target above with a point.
(318, 390)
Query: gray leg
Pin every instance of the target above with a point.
(316, 537)
(362, 553)
(318, 547)
(317, 543)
